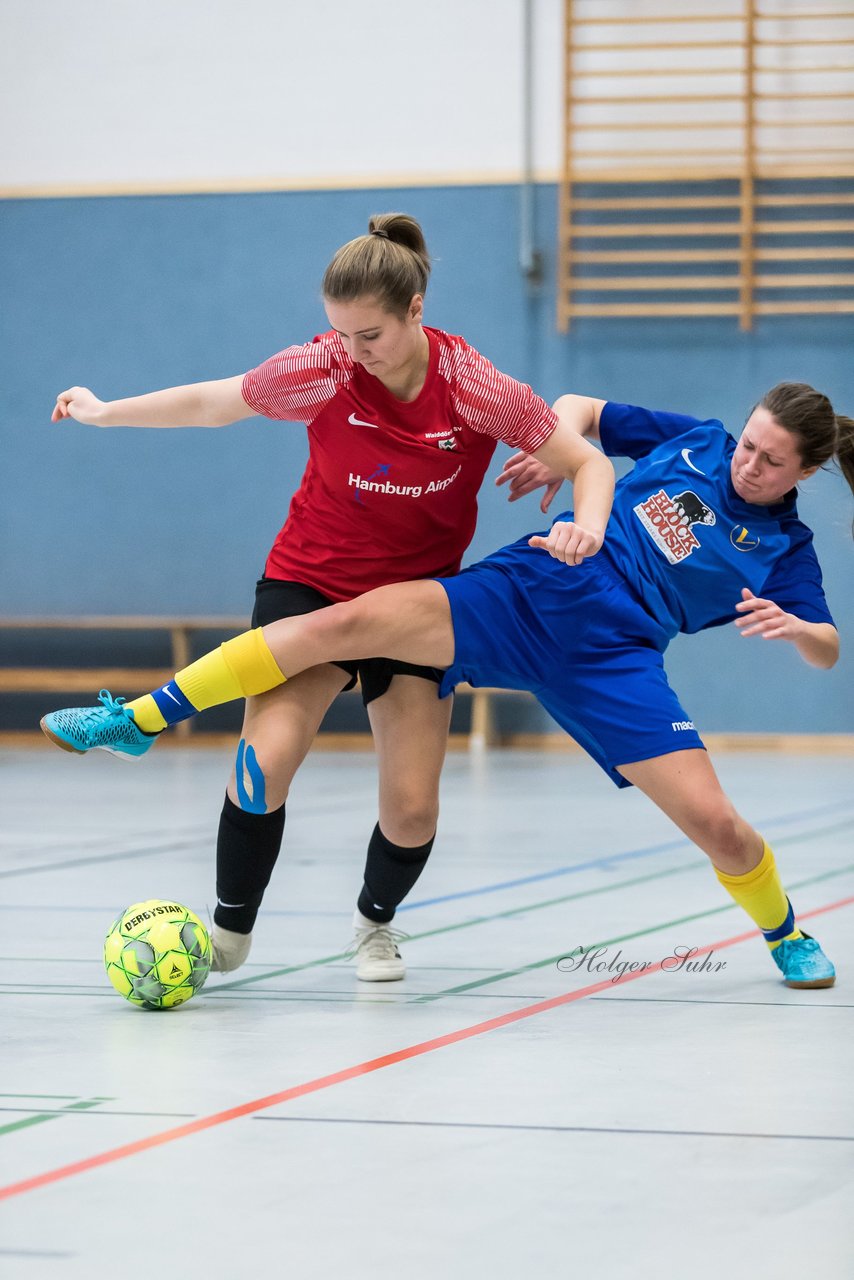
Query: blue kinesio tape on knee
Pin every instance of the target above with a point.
(257, 802)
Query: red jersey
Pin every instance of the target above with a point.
(390, 490)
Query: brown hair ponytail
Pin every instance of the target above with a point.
(845, 448)
(390, 264)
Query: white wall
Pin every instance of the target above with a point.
(218, 92)
(144, 95)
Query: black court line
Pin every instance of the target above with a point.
(201, 831)
(305, 996)
(730, 1004)
(35, 1253)
(189, 841)
(561, 1128)
(361, 1069)
(14, 847)
(608, 862)
(100, 859)
(696, 866)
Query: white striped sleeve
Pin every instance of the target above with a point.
(295, 384)
(493, 403)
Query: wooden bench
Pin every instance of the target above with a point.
(130, 679)
(483, 731)
(135, 679)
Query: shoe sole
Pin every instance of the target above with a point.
(811, 986)
(59, 742)
(386, 977)
(82, 751)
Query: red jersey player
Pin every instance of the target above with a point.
(402, 422)
(390, 490)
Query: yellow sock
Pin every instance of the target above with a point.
(760, 893)
(239, 668)
(146, 713)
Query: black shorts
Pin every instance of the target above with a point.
(275, 599)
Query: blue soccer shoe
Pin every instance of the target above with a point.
(803, 963)
(110, 727)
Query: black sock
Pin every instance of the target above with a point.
(390, 872)
(246, 851)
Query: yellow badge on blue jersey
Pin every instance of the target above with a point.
(742, 539)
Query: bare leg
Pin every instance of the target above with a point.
(410, 621)
(685, 786)
(278, 730)
(410, 727)
(281, 725)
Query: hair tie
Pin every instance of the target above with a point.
(378, 231)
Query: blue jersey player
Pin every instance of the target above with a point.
(704, 531)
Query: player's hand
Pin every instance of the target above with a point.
(765, 618)
(567, 541)
(80, 404)
(524, 474)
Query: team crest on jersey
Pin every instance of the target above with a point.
(669, 520)
(742, 539)
(445, 439)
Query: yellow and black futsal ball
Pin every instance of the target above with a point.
(157, 954)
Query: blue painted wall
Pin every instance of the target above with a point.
(129, 294)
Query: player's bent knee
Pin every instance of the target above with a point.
(260, 782)
(413, 817)
(335, 633)
(722, 829)
(418, 818)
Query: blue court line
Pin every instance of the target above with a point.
(608, 860)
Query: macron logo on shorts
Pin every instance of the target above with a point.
(679, 726)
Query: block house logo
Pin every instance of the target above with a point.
(669, 520)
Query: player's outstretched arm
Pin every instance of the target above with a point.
(200, 404)
(592, 474)
(525, 473)
(816, 642)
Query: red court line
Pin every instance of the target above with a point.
(365, 1068)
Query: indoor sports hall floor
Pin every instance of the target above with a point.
(494, 1113)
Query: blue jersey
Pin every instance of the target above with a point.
(683, 540)
(589, 641)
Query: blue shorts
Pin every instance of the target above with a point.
(579, 641)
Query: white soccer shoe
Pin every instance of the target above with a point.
(228, 949)
(375, 949)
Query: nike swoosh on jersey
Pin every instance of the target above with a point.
(685, 453)
(357, 422)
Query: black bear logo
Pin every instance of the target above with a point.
(691, 510)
